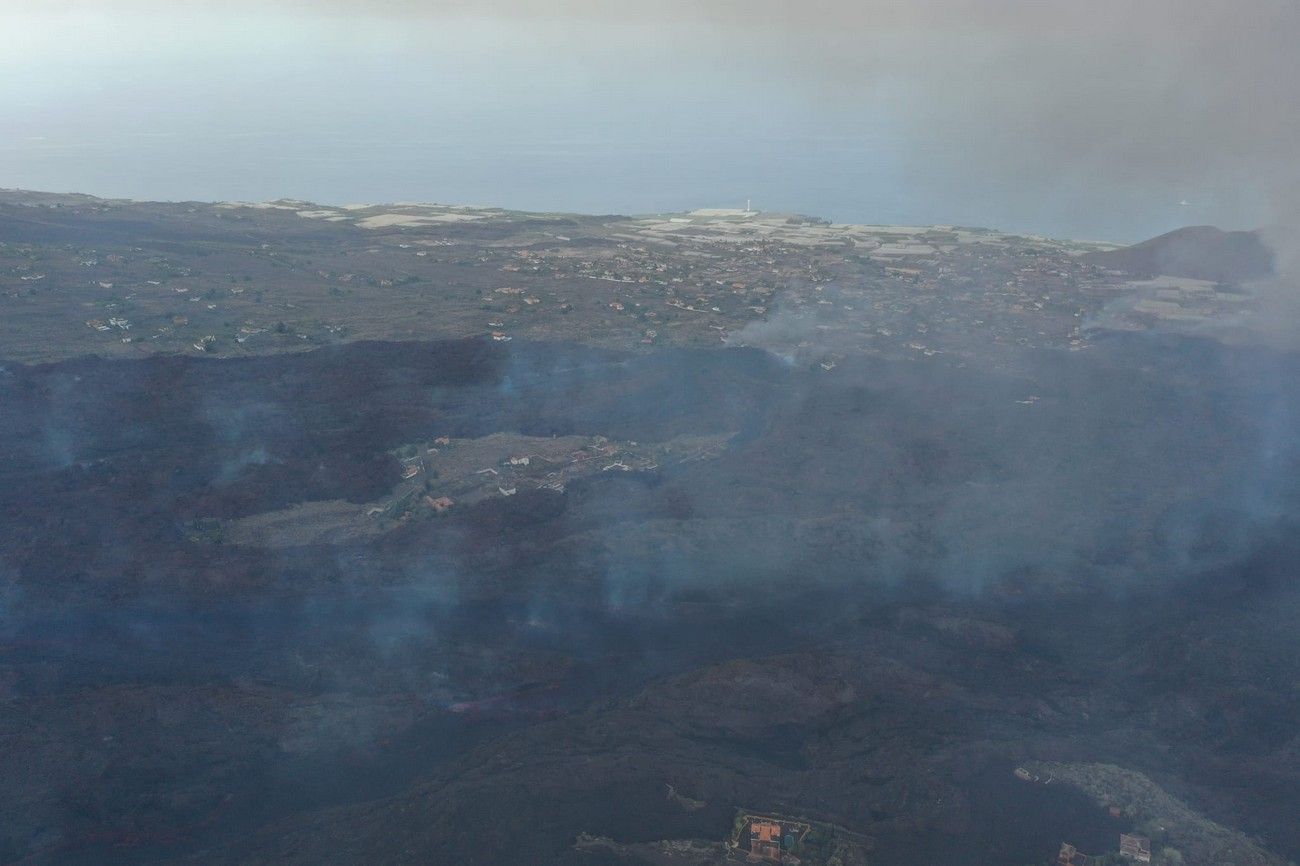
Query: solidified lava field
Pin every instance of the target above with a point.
(896, 582)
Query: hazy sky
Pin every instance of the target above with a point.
(1103, 119)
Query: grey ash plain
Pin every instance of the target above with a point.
(423, 533)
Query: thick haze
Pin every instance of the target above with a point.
(1114, 120)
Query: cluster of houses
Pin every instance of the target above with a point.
(113, 322)
(1131, 847)
(769, 839)
(898, 290)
